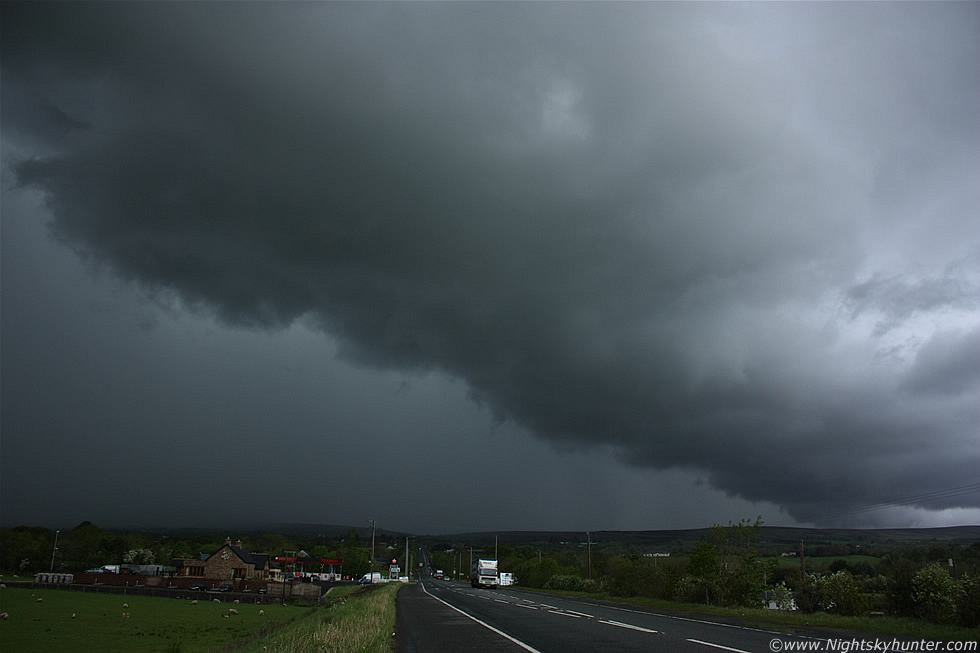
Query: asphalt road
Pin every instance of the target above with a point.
(439, 616)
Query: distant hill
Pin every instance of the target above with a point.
(770, 536)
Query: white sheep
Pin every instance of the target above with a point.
(232, 611)
(194, 602)
(261, 612)
(4, 616)
(125, 605)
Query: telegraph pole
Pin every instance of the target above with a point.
(372, 549)
(589, 536)
(54, 550)
(802, 562)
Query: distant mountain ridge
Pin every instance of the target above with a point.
(770, 535)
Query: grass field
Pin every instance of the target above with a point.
(152, 624)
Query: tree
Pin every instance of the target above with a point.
(25, 548)
(141, 556)
(87, 545)
(841, 594)
(968, 602)
(741, 581)
(934, 594)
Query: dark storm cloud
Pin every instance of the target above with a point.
(654, 226)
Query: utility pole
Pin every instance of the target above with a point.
(53, 551)
(372, 548)
(802, 562)
(589, 536)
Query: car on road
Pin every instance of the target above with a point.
(226, 588)
(198, 587)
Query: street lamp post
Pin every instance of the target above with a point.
(53, 551)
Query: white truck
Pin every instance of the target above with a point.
(484, 574)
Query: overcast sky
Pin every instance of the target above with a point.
(490, 266)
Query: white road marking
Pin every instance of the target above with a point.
(526, 607)
(581, 614)
(524, 646)
(724, 648)
(565, 614)
(630, 626)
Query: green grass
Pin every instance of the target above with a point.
(153, 624)
(357, 619)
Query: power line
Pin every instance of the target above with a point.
(905, 501)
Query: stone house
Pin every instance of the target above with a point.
(230, 562)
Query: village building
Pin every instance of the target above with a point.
(230, 562)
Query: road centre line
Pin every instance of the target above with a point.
(565, 614)
(581, 614)
(724, 648)
(524, 646)
(630, 626)
(526, 607)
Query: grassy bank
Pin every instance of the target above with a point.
(357, 619)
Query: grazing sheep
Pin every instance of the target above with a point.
(232, 611)
(194, 602)
(261, 612)
(39, 599)
(72, 615)
(235, 601)
(225, 616)
(217, 600)
(125, 605)
(4, 616)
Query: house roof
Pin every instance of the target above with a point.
(260, 560)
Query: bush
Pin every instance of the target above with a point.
(842, 595)
(570, 583)
(934, 594)
(809, 597)
(691, 589)
(968, 602)
(782, 597)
